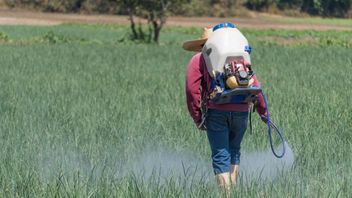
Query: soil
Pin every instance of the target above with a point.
(257, 21)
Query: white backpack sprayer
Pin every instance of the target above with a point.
(227, 57)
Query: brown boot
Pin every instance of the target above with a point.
(224, 183)
(234, 173)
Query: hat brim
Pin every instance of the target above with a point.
(195, 45)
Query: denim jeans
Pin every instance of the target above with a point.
(225, 131)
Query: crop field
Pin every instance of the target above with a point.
(84, 112)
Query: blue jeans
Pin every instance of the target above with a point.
(225, 131)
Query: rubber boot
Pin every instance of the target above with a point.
(234, 173)
(224, 183)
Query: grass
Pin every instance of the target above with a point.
(312, 20)
(78, 115)
(111, 34)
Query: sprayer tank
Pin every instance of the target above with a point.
(223, 46)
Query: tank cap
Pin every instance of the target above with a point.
(223, 25)
(248, 49)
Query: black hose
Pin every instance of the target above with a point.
(277, 130)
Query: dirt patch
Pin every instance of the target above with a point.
(18, 17)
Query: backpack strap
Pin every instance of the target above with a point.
(204, 94)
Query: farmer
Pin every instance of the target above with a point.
(225, 123)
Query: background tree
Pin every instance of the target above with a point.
(131, 7)
(155, 11)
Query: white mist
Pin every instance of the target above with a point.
(264, 166)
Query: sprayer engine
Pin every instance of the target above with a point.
(234, 85)
(237, 74)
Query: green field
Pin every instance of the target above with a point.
(81, 108)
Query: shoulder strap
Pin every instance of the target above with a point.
(204, 93)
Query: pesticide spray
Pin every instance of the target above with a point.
(262, 166)
(187, 168)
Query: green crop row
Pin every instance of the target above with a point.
(119, 35)
(80, 118)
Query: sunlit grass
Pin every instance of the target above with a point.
(76, 118)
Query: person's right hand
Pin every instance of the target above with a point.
(201, 126)
(264, 118)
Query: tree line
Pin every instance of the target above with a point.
(222, 8)
(325, 8)
(157, 11)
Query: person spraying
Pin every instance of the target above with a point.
(220, 89)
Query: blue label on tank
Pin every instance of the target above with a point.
(223, 25)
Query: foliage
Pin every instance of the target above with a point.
(290, 4)
(214, 8)
(259, 4)
(336, 8)
(3, 37)
(101, 6)
(53, 38)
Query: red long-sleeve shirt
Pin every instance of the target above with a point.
(197, 81)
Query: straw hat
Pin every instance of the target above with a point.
(197, 45)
